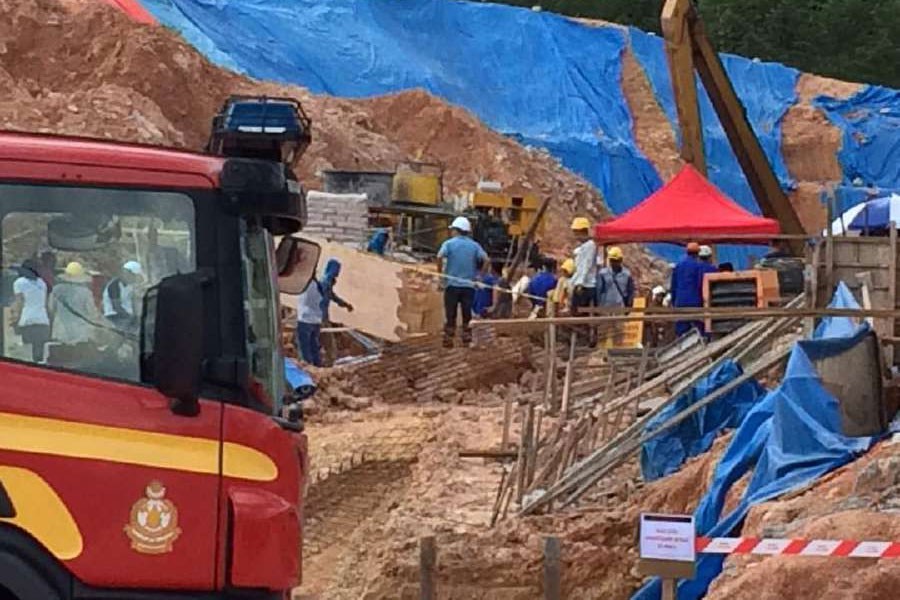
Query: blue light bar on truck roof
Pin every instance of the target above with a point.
(258, 127)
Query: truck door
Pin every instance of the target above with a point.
(98, 469)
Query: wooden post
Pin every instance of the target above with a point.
(427, 562)
(668, 589)
(892, 293)
(567, 384)
(520, 462)
(550, 392)
(829, 251)
(507, 417)
(552, 569)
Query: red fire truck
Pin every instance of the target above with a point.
(148, 445)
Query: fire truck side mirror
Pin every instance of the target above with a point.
(172, 340)
(296, 260)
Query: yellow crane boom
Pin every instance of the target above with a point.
(689, 50)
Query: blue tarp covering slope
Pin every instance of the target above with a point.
(870, 121)
(791, 437)
(695, 435)
(544, 79)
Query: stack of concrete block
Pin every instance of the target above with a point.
(338, 218)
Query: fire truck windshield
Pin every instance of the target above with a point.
(76, 263)
(261, 310)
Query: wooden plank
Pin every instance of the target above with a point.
(507, 418)
(681, 314)
(427, 564)
(567, 382)
(771, 359)
(487, 453)
(606, 458)
(552, 569)
(892, 291)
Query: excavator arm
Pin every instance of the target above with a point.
(689, 50)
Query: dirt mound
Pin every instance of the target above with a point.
(85, 69)
(858, 502)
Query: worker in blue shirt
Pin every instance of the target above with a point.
(541, 285)
(460, 260)
(687, 286)
(484, 294)
(379, 241)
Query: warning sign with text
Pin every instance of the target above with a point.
(667, 537)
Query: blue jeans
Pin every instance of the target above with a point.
(308, 343)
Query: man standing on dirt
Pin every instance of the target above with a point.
(460, 259)
(584, 281)
(687, 287)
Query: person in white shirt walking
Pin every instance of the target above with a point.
(32, 321)
(310, 314)
(584, 280)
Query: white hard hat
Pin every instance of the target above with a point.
(659, 290)
(134, 267)
(705, 251)
(462, 224)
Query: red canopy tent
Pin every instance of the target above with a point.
(688, 207)
(134, 10)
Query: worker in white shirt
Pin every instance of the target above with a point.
(310, 315)
(584, 280)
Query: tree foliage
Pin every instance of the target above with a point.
(856, 40)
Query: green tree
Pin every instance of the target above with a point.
(856, 40)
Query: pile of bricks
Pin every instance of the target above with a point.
(338, 218)
(420, 369)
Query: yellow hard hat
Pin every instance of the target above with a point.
(568, 266)
(74, 269)
(579, 223)
(614, 253)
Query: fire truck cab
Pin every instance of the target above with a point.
(146, 449)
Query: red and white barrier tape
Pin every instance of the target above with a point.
(797, 547)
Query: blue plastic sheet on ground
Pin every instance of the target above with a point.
(767, 91)
(544, 79)
(870, 122)
(790, 438)
(695, 435)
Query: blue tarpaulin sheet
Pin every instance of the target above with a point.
(870, 122)
(790, 438)
(695, 435)
(544, 79)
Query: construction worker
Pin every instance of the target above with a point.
(584, 280)
(541, 285)
(687, 287)
(329, 295)
(560, 295)
(502, 304)
(75, 314)
(308, 337)
(705, 255)
(658, 333)
(379, 241)
(615, 286)
(484, 295)
(29, 316)
(460, 259)
(119, 299)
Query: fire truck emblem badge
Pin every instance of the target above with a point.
(153, 527)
